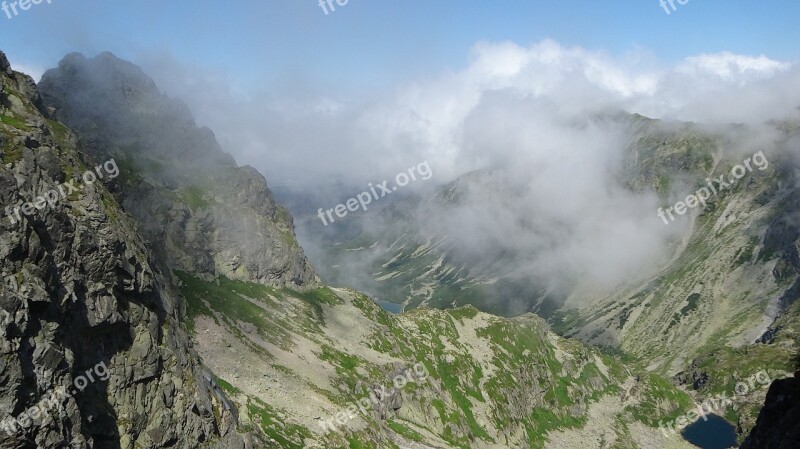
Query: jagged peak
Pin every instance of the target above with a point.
(5, 66)
(107, 66)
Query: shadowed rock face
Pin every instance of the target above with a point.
(80, 290)
(778, 425)
(200, 211)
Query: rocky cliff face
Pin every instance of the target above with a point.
(198, 209)
(778, 425)
(91, 350)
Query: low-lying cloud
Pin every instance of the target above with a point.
(533, 115)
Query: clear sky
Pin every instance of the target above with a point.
(382, 41)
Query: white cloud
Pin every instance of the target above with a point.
(732, 68)
(527, 109)
(377, 132)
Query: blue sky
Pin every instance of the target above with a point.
(378, 42)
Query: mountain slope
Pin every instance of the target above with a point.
(81, 292)
(727, 277)
(296, 361)
(732, 274)
(726, 273)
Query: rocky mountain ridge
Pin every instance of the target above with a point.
(80, 288)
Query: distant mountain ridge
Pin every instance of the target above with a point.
(728, 278)
(752, 227)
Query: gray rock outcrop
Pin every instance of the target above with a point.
(91, 351)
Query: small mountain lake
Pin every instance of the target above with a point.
(716, 433)
(390, 307)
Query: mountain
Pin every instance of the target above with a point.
(170, 298)
(92, 353)
(731, 274)
(718, 304)
(202, 212)
(722, 277)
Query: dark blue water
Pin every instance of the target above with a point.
(390, 307)
(716, 433)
